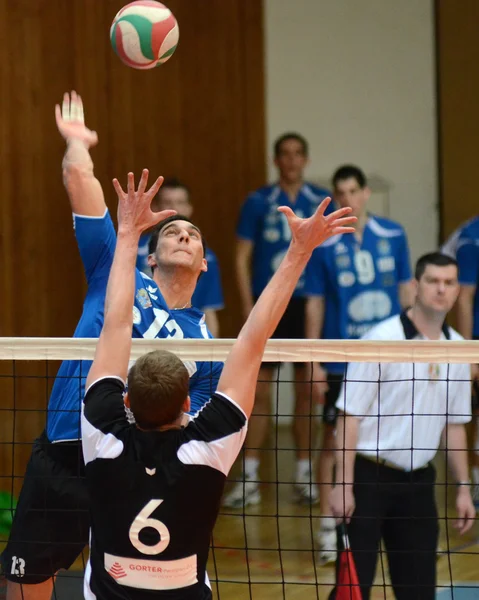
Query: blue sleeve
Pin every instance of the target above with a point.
(249, 221)
(96, 240)
(208, 292)
(468, 261)
(315, 275)
(204, 383)
(403, 261)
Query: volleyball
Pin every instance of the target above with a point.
(144, 34)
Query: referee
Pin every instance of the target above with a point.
(394, 418)
(155, 486)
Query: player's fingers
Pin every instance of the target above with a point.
(143, 182)
(322, 207)
(74, 106)
(341, 212)
(156, 186)
(131, 183)
(75, 111)
(338, 230)
(287, 212)
(344, 221)
(460, 524)
(81, 112)
(164, 214)
(118, 188)
(66, 107)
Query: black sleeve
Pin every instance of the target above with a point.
(215, 435)
(104, 418)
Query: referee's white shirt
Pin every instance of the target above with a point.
(403, 407)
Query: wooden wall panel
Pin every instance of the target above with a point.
(458, 93)
(199, 117)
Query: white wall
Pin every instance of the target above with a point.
(357, 78)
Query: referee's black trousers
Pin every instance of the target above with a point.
(398, 507)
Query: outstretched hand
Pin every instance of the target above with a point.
(71, 121)
(309, 233)
(134, 208)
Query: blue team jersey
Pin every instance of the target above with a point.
(359, 282)
(466, 251)
(208, 293)
(261, 223)
(151, 319)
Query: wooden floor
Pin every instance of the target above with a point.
(246, 563)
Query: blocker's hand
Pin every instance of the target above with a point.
(309, 233)
(134, 207)
(71, 121)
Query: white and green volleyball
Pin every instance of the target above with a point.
(144, 34)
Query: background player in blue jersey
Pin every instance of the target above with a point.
(208, 294)
(51, 522)
(353, 283)
(263, 238)
(148, 539)
(463, 245)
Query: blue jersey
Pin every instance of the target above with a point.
(208, 293)
(466, 249)
(359, 282)
(261, 223)
(151, 319)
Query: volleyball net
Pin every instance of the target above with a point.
(270, 547)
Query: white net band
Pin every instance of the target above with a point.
(276, 350)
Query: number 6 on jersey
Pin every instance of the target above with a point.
(143, 520)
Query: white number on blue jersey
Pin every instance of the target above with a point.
(162, 319)
(143, 520)
(364, 265)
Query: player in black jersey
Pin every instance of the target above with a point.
(156, 485)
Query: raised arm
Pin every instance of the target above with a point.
(134, 216)
(240, 372)
(84, 190)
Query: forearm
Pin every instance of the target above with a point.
(113, 350)
(84, 190)
(314, 317)
(455, 442)
(120, 291)
(346, 443)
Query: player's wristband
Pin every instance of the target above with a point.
(463, 483)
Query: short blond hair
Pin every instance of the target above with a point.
(157, 389)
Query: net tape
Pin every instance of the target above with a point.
(370, 351)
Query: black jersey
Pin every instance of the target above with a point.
(154, 495)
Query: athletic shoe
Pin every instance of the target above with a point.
(305, 490)
(243, 494)
(328, 546)
(305, 493)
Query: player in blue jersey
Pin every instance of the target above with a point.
(51, 522)
(208, 295)
(353, 283)
(463, 245)
(155, 486)
(263, 238)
